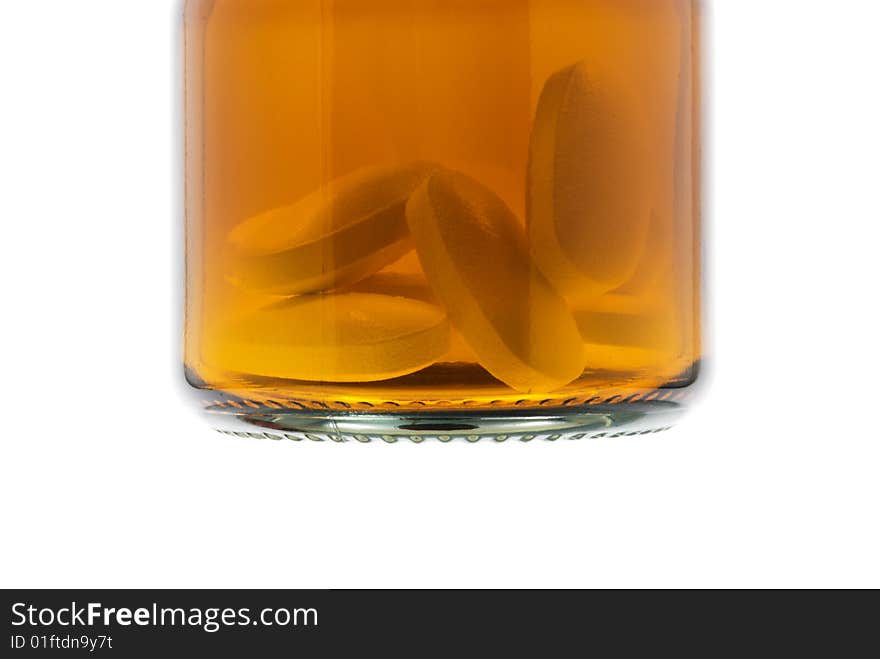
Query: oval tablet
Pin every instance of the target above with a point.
(588, 194)
(403, 282)
(348, 337)
(475, 256)
(335, 236)
(627, 320)
(624, 332)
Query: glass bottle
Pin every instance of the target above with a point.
(442, 219)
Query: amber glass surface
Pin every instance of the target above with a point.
(469, 183)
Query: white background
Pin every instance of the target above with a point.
(108, 480)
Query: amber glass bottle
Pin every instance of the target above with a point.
(414, 219)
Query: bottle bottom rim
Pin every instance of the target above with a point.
(592, 422)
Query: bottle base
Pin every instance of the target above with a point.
(591, 422)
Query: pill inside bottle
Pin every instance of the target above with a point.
(337, 235)
(349, 337)
(474, 252)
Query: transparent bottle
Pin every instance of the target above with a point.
(442, 219)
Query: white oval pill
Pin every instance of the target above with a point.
(335, 236)
(588, 202)
(474, 253)
(347, 337)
